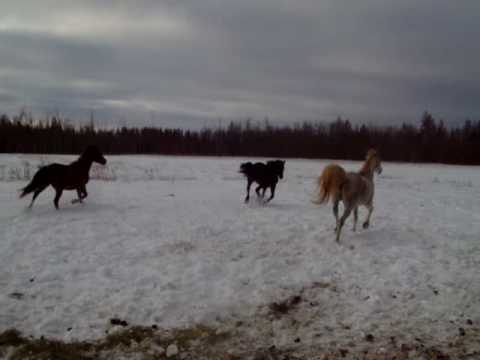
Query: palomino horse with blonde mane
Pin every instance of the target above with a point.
(353, 188)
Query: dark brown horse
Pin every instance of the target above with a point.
(265, 175)
(65, 177)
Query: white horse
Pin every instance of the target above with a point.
(353, 188)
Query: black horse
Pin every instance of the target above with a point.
(266, 175)
(65, 177)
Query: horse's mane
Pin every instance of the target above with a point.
(366, 167)
(277, 165)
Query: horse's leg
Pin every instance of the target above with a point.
(249, 183)
(355, 218)
(335, 212)
(80, 197)
(272, 192)
(82, 194)
(346, 213)
(84, 190)
(366, 224)
(257, 190)
(58, 194)
(36, 193)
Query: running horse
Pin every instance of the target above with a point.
(74, 176)
(353, 188)
(265, 175)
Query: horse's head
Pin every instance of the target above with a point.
(244, 167)
(278, 166)
(373, 160)
(93, 153)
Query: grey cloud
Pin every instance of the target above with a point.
(6, 97)
(193, 62)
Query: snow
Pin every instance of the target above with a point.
(169, 241)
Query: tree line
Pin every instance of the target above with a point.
(430, 141)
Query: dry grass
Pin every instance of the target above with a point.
(136, 339)
(204, 342)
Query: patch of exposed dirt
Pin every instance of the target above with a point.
(293, 328)
(203, 342)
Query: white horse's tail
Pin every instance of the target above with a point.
(330, 183)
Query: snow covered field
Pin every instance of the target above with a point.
(169, 241)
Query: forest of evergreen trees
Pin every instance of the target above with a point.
(431, 141)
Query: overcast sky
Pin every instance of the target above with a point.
(190, 63)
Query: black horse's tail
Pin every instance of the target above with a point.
(245, 168)
(40, 180)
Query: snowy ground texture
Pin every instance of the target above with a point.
(169, 241)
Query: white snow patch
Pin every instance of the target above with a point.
(169, 241)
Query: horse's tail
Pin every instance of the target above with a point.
(245, 168)
(330, 183)
(40, 179)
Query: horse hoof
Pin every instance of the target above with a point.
(365, 225)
